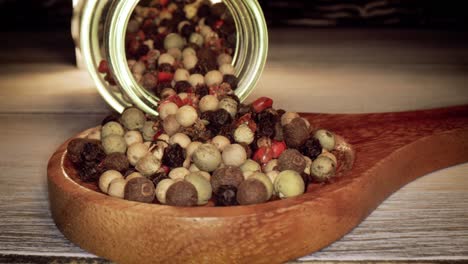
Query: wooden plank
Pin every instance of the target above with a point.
(426, 220)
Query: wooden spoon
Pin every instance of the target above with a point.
(392, 149)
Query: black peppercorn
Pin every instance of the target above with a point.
(225, 195)
(160, 87)
(158, 177)
(174, 156)
(311, 148)
(231, 80)
(187, 30)
(202, 90)
(204, 11)
(183, 87)
(89, 171)
(142, 50)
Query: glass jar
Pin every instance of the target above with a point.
(99, 30)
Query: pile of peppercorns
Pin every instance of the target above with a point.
(219, 150)
(205, 145)
(180, 47)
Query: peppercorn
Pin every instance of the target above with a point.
(228, 175)
(148, 165)
(133, 118)
(326, 139)
(311, 148)
(174, 156)
(116, 161)
(106, 178)
(251, 191)
(291, 159)
(202, 185)
(74, 149)
(295, 133)
(183, 87)
(166, 67)
(202, 90)
(157, 177)
(289, 183)
(225, 196)
(139, 189)
(234, 155)
(231, 80)
(323, 168)
(182, 193)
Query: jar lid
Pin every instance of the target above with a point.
(248, 60)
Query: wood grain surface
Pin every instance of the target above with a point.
(44, 100)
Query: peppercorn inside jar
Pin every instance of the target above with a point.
(148, 51)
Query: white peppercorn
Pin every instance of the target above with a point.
(243, 134)
(326, 139)
(133, 118)
(208, 103)
(323, 168)
(114, 143)
(186, 115)
(180, 138)
(138, 68)
(112, 128)
(272, 165)
(196, 39)
(272, 175)
(148, 131)
(330, 155)
(181, 75)
(166, 58)
(234, 155)
(190, 61)
(221, 142)
(202, 185)
(178, 173)
(250, 165)
(192, 147)
(194, 168)
(117, 188)
(174, 40)
(166, 109)
(227, 69)
(135, 152)
(205, 30)
(94, 134)
(148, 165)
(213, 78)
(230, 105)
(289, 183)
(224, 58)
(188, 51)
(196, 79)
(133, 175)
(207, 157)
(161, 189)
(106, 178)
(133, 136)
(170, 125)
(166, 92)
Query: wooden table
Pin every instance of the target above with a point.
(44, 100)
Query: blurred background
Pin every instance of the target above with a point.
(54, 15)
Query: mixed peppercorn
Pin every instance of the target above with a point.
(205, 145)
(240, 154)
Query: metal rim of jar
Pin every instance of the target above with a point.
(249, 58)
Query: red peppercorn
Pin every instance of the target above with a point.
(261, 104)
(191, 99)
(219, 24)
(165, 168)
(278, 147)
(174, 99)
(103, 67)
(263, 155)
(247, 119)
(165, 76)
